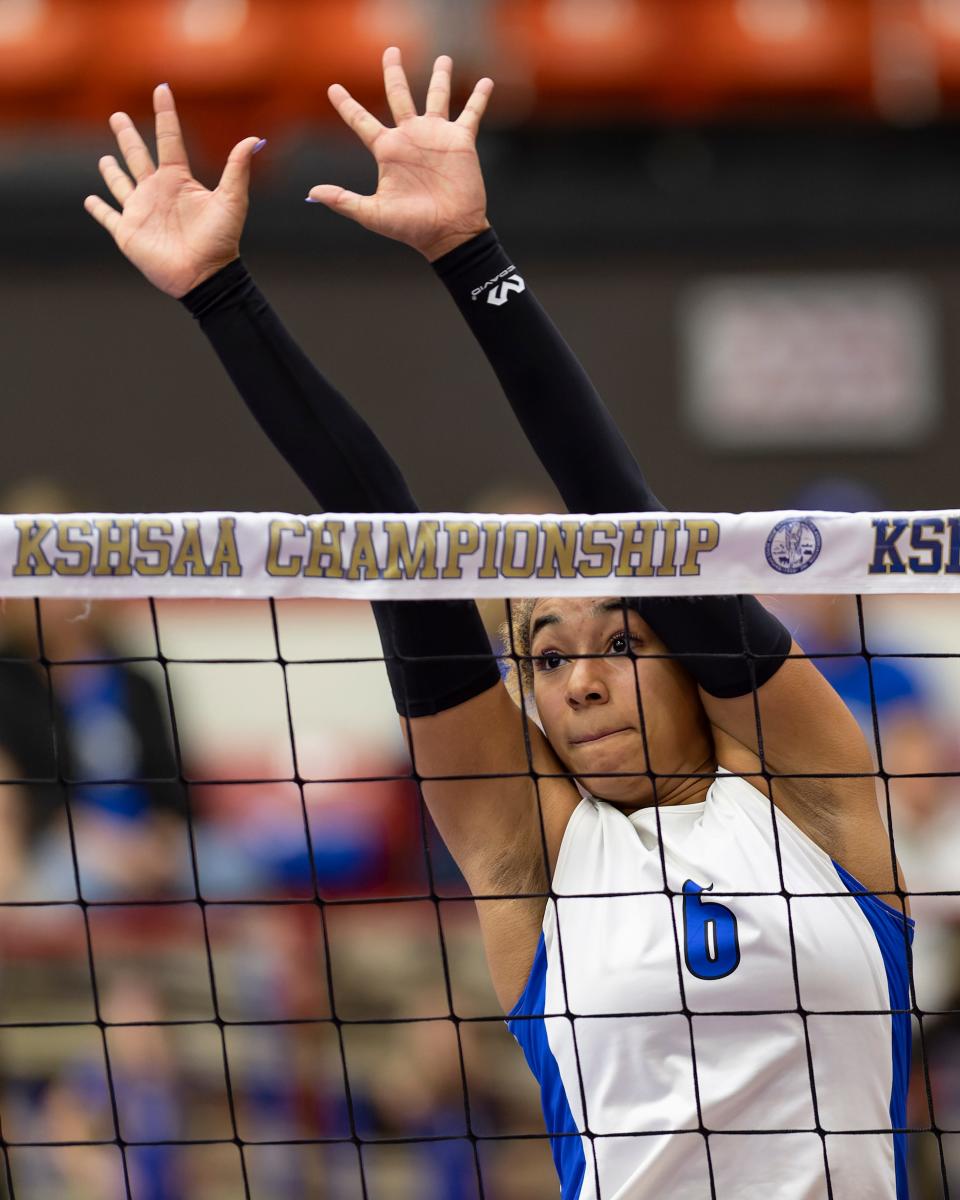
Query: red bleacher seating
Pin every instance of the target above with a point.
(263, 66)
(580, 57)
(773, 57)
(938, 24)
(45, 53)
(223, 58)
(342, 41)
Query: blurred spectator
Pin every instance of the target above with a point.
(70, 1112)
(150, 1105)
(891, 689)
(419, 1094)
(933, 1158)
(77, 1107)
(89, 731)
(93, 735)
(14, 816)
(365, 834)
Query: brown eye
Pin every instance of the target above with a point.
(549, 661)
(620, 643)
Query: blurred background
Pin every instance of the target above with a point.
(744, 216)
(741, 213)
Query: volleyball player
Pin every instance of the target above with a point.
(681, 879)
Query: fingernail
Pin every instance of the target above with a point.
(310, 200)
(166, 85)
(259, 146)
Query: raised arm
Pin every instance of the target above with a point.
(186, 240)
(431, 195)
(445, 680)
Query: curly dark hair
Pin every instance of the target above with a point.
(515, 638)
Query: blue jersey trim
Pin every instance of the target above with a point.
(893, 932)
(531, 1033)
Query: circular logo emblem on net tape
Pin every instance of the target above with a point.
(793, 545)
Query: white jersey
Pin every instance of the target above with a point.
(728, 1044)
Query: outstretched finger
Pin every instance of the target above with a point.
(476, 106)
(132, 147)
(116, 179)
(348, 204)
(101, 211)
(235, 180)
(365, 125)
(171, 150)
(438, 93)
(399, 96)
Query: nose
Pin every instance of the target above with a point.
(586, 683)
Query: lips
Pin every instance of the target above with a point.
(596, 737)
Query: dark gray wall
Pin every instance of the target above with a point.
(110, 389)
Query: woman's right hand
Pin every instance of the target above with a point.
(172, 228)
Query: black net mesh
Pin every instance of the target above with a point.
(239, 961)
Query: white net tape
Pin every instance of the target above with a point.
(476, 555)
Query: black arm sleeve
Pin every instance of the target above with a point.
(437, 652)
(729, 643)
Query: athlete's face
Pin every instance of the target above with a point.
(605, 699)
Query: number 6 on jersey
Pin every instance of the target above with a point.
(711, 947)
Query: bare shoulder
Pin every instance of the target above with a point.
(802, 746)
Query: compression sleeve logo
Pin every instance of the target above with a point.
(500, 295)
(499, 289)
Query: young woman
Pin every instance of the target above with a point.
(680, 880)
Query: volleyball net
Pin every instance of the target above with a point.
(237, 958)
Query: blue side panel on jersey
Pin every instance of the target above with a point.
(531, 1033)
(889, 925)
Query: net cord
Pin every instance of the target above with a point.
(45, 663)
(201, 902)
(670, 895)
(317, 900)
(769, 780)
(525, 702)
(422, 814)
(917, 1014)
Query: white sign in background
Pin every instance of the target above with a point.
(801, 361)
(446, 555)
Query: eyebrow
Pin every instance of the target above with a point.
(542, 623)
(621, 605)
(605, 606)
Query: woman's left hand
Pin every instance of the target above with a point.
(430, 191)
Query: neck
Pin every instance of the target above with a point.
(689, 790)
(676, 790)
